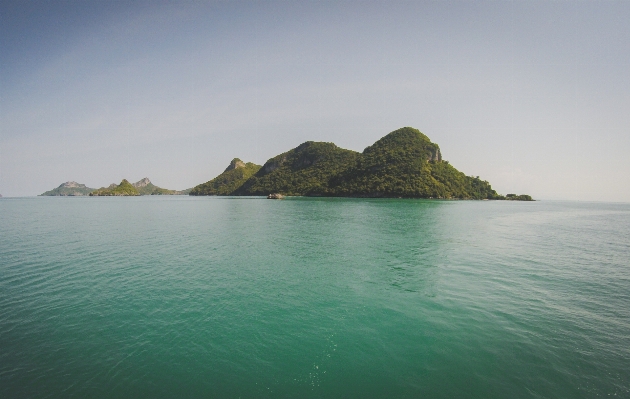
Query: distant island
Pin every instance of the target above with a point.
(69, 189)
(522, 197)
(145, 187)
(141, 187)
(403, 164)
(123, 189)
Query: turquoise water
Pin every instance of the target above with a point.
(161, 297)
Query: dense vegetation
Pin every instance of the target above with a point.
(234, 176)
(304, 170)
(522, 197)
(405, 163)
(123, 189)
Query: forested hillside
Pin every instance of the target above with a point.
(404, 163)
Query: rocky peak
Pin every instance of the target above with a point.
(72, 184)
(142, 183)
(235, 164)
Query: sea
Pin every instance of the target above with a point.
(244, 297)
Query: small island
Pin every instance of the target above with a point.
(522, 197)
(69, 189)
(124, 189)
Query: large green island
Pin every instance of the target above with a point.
(403, 164)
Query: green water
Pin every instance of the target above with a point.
(319, 298)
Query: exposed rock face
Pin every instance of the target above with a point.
(275, 196)
(235, 164)
(436, 156)
(142, 183)
(69, 189)
(72, 184)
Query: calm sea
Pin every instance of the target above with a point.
(174, 297)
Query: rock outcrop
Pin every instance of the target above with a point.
(142, 183)
(235, 164)
(436, 155)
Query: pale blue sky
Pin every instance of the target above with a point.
(531, 96)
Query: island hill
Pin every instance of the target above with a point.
(404, 163)
(69, 189)
(142, 187)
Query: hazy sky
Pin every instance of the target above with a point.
(531, 96)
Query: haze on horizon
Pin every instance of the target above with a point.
(531, 96)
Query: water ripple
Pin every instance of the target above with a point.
(167, 297)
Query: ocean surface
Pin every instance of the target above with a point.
(191, 297)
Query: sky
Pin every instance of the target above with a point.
(533, 96)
